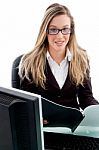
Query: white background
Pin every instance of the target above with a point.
(19, 25)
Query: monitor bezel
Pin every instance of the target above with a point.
(25, 97)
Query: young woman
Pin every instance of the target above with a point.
(58, 68)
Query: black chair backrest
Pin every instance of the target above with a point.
(15, 81)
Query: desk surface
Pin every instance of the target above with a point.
(80, 130)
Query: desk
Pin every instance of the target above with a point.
(86, 132)
(59, 138)
(80, 130)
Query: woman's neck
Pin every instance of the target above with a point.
(57, 56)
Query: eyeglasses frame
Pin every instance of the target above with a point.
(60, 30)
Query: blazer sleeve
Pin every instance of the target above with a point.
(85, 95)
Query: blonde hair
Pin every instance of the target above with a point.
(34, 62)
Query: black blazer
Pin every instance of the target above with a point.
(69, 95)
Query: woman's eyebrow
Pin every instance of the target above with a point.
(56, 26)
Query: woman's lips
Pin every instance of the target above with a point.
(59, 43)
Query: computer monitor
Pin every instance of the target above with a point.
(20, 120)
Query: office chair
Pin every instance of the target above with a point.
(15, 81)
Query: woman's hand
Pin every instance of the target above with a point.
(45, 122)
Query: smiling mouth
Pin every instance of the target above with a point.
(59, 43)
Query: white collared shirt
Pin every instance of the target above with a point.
(60, 71)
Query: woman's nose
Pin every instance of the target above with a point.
(60, 34)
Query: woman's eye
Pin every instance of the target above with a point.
(53, 30)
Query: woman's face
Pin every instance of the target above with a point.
(58, 40)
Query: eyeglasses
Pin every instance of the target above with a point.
(54, 31)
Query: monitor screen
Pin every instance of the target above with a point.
(20, 120)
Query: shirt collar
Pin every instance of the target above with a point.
(48, 55)
(68, 55)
